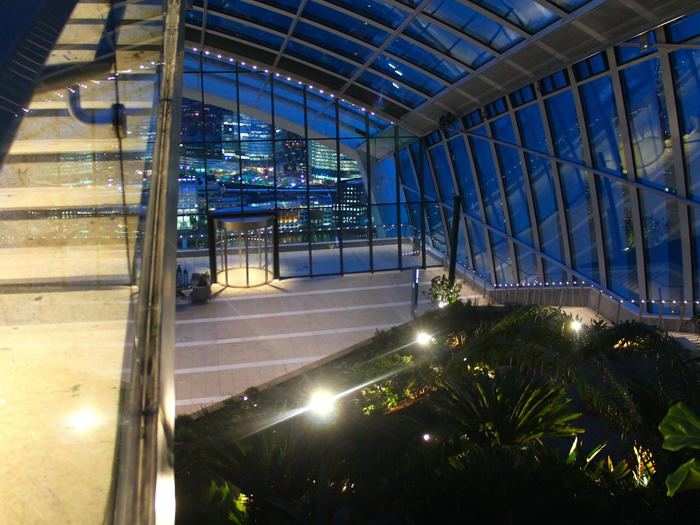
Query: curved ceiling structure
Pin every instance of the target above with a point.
(414, 61)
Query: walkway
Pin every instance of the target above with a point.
(245, 338)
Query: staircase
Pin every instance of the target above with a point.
(72, 188)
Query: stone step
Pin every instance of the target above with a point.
(336, 298)
(59, 308)
(61, 197)
(36, 127)
(57, 174)
(97, 264)
(200, 336)
(62, 232)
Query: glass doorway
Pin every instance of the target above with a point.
(244, 251)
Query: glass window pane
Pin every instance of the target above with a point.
(385, 244)
(616, 215)
(355, 238)
(503, 261)
(478, 247)
(566, 134)
(526, 14)
(291, 172)
(527, 265)
(648, 122)
(662, 247)
(294, 242)
(465, 177)
(488, 179)
(442, 173)
(686, 77)
(514, 181)
(579, 215)
(602, 124)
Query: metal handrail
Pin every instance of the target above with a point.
(145, 489)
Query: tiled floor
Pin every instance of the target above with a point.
(248, 337)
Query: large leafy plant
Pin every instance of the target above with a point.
(443, 292)
(681, 431)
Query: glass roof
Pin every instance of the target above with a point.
(394, 54)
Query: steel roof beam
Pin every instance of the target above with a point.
(272, 31)
(239, 57)
(290, 31)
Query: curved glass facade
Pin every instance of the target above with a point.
(589, 174)
(393, 54)
(586, 176)
(339, 178)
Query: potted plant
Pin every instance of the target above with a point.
(201, 287)
(443, 292)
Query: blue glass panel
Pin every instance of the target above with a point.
(554, 82)
(452, 127)
(192, 129)
(648, 122)
(463, 256)
(566, 137)
(512, 174)
(473, 119)
(391, 89)
(662, 246)
(465, 177)
(579, 216)
(684, 29)
(344, 23)
(488, 178)
(291, 165)
(502, 259)
(442, 173)
(408, 176)
(600, 114)
(407, 75)
(526, 14)
(429, 61)
(478, 248)
(566, 134)
(616, 215)
(637, 47)
(546, 209)
(436, 229)
(420, 161)
(522, 96)
(553, 272)
(331, 41)
(542, 181)
(245, 32)
(527, 265)
(252, 13)
(591, 66)
(496, 108)
(446, 42)
(384, 181)
(475, 24)
(328, 62)
(194, 17)
(352, 125)
(376, 10)
(220, 105)
(288, 5)
(254, 97)
(686, 78)
(532, 133)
